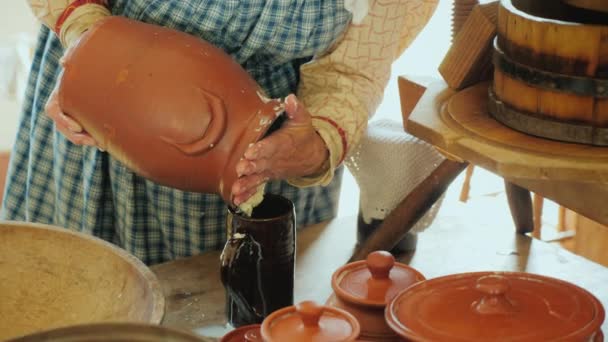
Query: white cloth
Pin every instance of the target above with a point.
(358, 8)
(387, 165)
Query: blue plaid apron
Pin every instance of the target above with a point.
(55, 182)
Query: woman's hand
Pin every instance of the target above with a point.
(71, 129)
(295, 150)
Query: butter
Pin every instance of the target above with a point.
(247, 207)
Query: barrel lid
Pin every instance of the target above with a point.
(374, 281)
(490, 306)
(308, 321)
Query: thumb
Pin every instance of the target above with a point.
(295, 110)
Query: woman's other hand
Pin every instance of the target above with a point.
(71, 129)
(295, 150)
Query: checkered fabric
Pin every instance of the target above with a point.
(53, 181)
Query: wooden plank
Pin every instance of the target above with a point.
(410, 93)
(422, 120)
(591, 240)
(469, 59)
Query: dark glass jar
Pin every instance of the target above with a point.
(258, 261)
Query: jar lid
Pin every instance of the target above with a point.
(489, 306)
(374, 281)
(308, 321)
(246, 333)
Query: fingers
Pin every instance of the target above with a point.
(296, 112)
(247, 186)
(71, 129)
(265, 148)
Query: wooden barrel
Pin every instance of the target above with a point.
(551, 71)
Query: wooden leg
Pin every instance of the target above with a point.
(520, 204)
(538, 203)
(410, 210)
(466, 185)
(561, 219)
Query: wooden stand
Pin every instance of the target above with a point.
(458, 122)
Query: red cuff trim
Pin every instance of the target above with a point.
(72, 7)
(340, 131)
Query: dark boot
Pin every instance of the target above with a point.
(364, 230)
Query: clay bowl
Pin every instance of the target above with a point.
(496, 306)
(111, 332)
(51, 277)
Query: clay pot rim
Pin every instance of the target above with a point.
(593, 327)
(123, 329)
(239, 330)
(266, 336)
(345, 296)
(261, 220)
(158, 298)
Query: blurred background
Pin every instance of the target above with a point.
(17, 37)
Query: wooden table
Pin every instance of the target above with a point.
(453, 244)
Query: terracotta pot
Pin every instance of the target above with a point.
(364, 288)
(170, 106)
(308, 321)
(111, 332)
(247, 333)
(496, 306)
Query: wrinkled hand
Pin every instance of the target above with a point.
(71, 129)
(295, 150)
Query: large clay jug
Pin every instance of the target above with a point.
(170, 106)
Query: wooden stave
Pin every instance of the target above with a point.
(538, 102)
(538, 42)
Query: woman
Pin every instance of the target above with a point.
(57, 177)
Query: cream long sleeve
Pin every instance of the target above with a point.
(73, 16)
(345, 86)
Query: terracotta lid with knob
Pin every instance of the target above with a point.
(489, 306)
(247, 333)
(374, 281)
(308, 321)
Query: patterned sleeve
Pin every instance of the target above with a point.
(344, 87)
(69, 18)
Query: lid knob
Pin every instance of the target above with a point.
(253, 336)
(310, 313)
(495, 300)
(380, 264)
